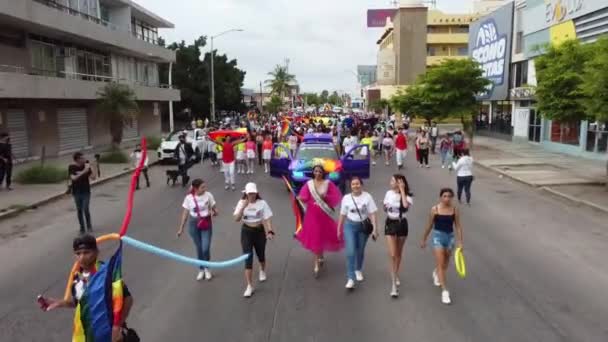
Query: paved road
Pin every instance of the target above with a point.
(536, 272)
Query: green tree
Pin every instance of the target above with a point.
(311, 99)
(335, 99)
(560, 74)
(275, 104)
(117, 103)
(378, 106)
(324, 97)
(280, 80)
(193, 77)
(417, 101)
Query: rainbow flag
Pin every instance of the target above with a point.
(297, 206)
(101, 304)
(286, 128)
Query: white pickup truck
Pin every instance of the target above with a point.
(196, 137)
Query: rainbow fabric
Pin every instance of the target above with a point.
(286, 128)
(297, 206)
(329, 165)
(101, 305)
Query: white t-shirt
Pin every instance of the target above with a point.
(388, 142)
(392, 203)
(293, 142)
(254, 212)
(348, 143)
(365, 203)
(205, 202)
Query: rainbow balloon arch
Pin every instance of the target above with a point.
(123, 238)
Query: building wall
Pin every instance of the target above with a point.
(410, 43)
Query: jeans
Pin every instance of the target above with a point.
(229, 173)
(6, 172)
(355, 240)
(433, 144)
(201, 239)
(444, 156)
(424, 156)
(464, 183)
(183, 171)
(144, 171)
(82, 200)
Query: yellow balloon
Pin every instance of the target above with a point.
(461, 267)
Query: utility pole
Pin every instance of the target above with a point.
(212, 84)
(261, 98)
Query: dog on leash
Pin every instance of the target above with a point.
(172, 176)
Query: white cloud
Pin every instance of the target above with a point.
(321, 38)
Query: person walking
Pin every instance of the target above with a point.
(199, 206)
(81, 172)
(397, 202)
(256, 216)
(184, 154)
(267, 152)
(241, 157)
(259, 140)
(319, 230)
(375, 147)
(422, 143)
(443, 220)
(400, 149)
(250, 148)
(6, 160)
(356, 211)
(464, 175)
(434, 133)
(387, 146)
(136, 156)
(229, 161)
(446, 150)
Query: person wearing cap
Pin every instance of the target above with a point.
(255, 214)
(86, 252)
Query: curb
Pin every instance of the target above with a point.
(546, 189)
(52, 198)
(574, 199)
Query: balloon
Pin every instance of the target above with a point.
(461, 267)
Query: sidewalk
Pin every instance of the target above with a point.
(574, 178)
(24, 196)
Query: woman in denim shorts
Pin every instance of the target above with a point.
(443, 221)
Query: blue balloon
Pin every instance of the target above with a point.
(180, 258)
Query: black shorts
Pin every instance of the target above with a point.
(396, 227)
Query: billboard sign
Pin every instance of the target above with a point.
(377, 17)
(490, 46)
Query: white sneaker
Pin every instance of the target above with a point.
(445, 297)
(226, 187)
(428, 166)
(208, 274)
(359, 275)
(233, 187)
(394, 292)
(248, 291)
(262, 276)
(200, 276)
(397, 282)
(350, 284)
(374, 163)
(436, 279)
(443, 166)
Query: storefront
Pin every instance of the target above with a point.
(490, 46)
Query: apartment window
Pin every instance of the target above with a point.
(431, 51)
(438, 29)
(43, 59)
(597, 137)
(520, 74)
(463, 51)
(565, 132)
(519, 42)
(144, 31)
(460, 29)
(105, 13)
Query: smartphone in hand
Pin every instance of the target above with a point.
(44, 305)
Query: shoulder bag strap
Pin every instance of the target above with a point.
(356, 207)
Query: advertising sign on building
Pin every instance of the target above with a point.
(377, 17)
(490, 46)
(554, 12)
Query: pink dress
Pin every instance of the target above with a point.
(320, 231)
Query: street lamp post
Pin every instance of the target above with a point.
(212, 71)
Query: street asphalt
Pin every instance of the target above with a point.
(536, 270)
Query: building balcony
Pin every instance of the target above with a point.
(48, 18)
(434, 60)
(447, 38)
(16, 84)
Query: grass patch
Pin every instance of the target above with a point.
(47, 174)
(114, 156)
(153, 142)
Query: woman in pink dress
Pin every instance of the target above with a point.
(320, 231)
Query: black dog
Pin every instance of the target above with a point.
(172, 176)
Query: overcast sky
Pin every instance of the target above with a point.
(323, 39)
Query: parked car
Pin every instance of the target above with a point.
(196, 137)
(318, 148)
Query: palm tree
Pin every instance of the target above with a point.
(118, 103)
(280, 81)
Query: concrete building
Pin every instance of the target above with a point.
(416, 38)
(54, 58)
(537, 22)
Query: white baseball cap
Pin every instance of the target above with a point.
(251, 188)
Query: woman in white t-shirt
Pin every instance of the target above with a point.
(388, 146)
(199, 206)
(397, 202)
(356, 207)
(255, 214)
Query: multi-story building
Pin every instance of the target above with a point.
(416, 38)
(55, 56)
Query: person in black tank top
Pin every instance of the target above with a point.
(444, 223)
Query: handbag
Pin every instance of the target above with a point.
(367, 226)
(129, 335)
(203, 223)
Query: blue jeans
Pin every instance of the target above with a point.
(201, 239)
(355, 240)
(82, 209)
